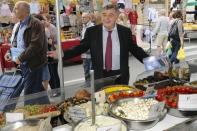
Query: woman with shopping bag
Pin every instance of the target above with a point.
(176, 36)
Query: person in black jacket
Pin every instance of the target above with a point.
(109, 45)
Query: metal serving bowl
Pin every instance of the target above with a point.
(18, 124)
(181, 112)
(137, 124)
(124, 125)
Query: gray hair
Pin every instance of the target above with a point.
(24, 5)
(111, 6)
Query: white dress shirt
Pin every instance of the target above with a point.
(85, 26)
(115, 48)
(89, 24)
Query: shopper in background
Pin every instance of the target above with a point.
(93, 18)
(87, 63)
(176, 35)
(123, 20)
(45, 74)
(97, 16)
(161, 32)
(109, 45)
(30, 40)
(51, 33)
(171, 17)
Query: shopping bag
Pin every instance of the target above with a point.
(181, 54)
(168, 48)
(169, 52)
(168, 45)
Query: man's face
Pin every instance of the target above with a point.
(109, 18)
(85, 19)
(17, 12)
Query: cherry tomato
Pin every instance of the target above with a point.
(174, 105)
(141, 93)
(159, 97)
(131, 94)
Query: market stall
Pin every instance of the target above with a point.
(126, 107)
(190, 26)
(158, 100)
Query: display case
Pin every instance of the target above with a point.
(58, 119)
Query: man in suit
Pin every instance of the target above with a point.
(109, 45)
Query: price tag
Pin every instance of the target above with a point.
(100, 96)
(193, 77)
(116, 127)
(77, 113)
(150, 91)
(156, 109)
(187, 101)
(12, 117)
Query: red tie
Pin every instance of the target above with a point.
(108, 53)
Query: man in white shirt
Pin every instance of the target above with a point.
(161, 31)
(87, 63)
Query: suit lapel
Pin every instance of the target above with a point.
(121, 40)
(100, 43)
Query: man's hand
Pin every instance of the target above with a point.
(17, 61)
(52, 54)
(7, 57)
(50, 41)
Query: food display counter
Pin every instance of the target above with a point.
(164, 125)
(190, 26)
(190, 30)
(69, 44)
(114, 103)
(167, 122)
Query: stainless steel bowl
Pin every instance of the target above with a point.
(137, 124)
(124, 125)
(18, 124)
(181, 112)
